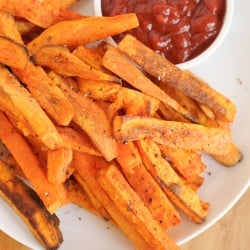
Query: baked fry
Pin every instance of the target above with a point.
(133, 209)
(59, 59)
(90, 118)
(43, 225)
(30, 165)
(10, 50)
(42, 15)
(173, 134)
(91, 56)
(99, 90)
(8, 27)
(186, 102)
(117, 63)
(180, 194)
(48, 96)
(78, 195)
(25, 112)
(87, 171)
(87, 168)
(188, 163)
(184, 81)
(145, 186)
(58, 162)
(77, 141)
(83, 31)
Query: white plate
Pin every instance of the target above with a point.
(227, 71)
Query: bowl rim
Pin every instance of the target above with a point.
(227, 21)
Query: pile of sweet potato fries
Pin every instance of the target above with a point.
(118, 131)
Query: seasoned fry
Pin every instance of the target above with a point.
(169, 114)
(89, 171)
(48, 96)
(90, 118)
(159, 67)
(10, 50)
(121, 66)
(87, 168)
(186, 102)
(9, 28)
(99, 90)
(180, 194)
(58, 163)
(91, 56)
(83, 31)
(30, 165)
(186, 162)
(77, 141)
(42, 15)
(59, 59)
(77, 194)
(231, 158)
(173, 134)
(25, 112)
(145, 186)
(44, 226)
(133, 209)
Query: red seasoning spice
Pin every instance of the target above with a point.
(178, 29)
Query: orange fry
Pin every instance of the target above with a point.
(133, 209)
(40, 14)
(59, 59)
(83, 31)
(184, 81)
(117, 63)
(173, 134)
(30, 165)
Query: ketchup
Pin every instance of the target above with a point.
(177, 29)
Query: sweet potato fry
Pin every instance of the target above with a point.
(169, 114)
(83, 31)
(117, 63)
(87, 168)
(162, 69)
(90, 118)
(77, 141)
(188, 163)
(61, 60)
(91, 56)
(173, 134)
(58, 162)
(11, 50)
(180, 194)
(77, 194)
(99, 90)
(88, 171)
(231, 158)
(8, 27)
(133, 209)
(48, 96)
(24, 201)
(42, 15)
(25, 27)
(145, 186)
(186, 102)
(25, 112)
(30, 165)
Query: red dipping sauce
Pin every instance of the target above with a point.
(178, 29)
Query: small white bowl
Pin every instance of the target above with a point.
(206, 53)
